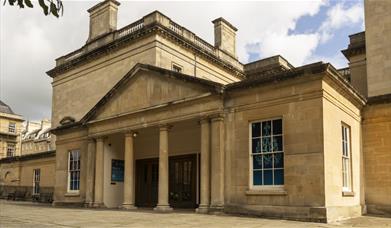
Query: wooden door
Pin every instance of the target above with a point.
(147, 177)
(182, 188)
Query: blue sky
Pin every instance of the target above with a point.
(330, 49)
(302, 31)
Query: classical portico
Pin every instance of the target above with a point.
(172, 151)
(201, 128)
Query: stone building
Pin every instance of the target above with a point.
(369, 55)
(170, 121)
(28, 171)
(36, 137)
(151, 115)
(10, 128)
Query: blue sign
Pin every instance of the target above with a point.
(117, 170)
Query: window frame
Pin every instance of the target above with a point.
(175, 65)
(251, 170)
(348, 141)
(13, 124)
(36, 179)
(69, 190)
(13, 151)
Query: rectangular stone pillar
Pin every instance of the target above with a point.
(99, 171)
(90, 173)
(217, 163)
(129, 173)
(205, 166)
(163, 204)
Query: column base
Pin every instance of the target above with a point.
(163, 208)
(126, 206)
(98, 205)
(216, 209)
(89, 204)
(202, 209)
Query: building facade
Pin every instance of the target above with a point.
(36, 137)
(10, 129)
(369, 55)
(27, 167)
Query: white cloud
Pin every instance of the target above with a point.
(297, 48)
(340, 16)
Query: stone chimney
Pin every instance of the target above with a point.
(103, 18)
(225, 36)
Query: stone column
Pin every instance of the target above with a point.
(163, 204)
(90, 173)
(99, 168)
(129, 173)
(217, 163)
(205, 167)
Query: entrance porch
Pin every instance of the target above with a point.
(162, 167)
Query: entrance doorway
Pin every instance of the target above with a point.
(147, 179)
(182, 182)
(182, 190)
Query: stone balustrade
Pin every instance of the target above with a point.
(152, 18)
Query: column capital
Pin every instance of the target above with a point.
(217, 117)
(131, 133)
(204, 120)
(100, 139)
(165, 127)
(91, 140)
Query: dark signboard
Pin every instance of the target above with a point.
(117, 170)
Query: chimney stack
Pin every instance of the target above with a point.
(225, 36)
(103, 18)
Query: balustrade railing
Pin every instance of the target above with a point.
(138, 25)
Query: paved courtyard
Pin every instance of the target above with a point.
(25, 214)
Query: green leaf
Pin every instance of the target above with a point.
(11, 2)
(20, 3)
(28, 3)
(53, 9)
(44, 7)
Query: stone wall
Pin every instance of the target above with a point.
(377, 154)
(378, 46)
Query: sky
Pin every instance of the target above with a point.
(302, 31)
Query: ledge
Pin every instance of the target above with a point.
(267, 192)
(72, 194)
(347, 193)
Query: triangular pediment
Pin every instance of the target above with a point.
(146, 87)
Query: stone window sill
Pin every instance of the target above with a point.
(347, 193)
(266, 192)
(72, 194)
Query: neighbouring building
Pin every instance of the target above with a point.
(36, 137)
(369, 55)
(26, 172)
(10, 128)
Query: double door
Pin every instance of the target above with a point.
(182, 182)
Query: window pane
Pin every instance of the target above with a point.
(256, 145)
(277, 143)
(277, 127)
(256, 129)
(278, 177)
(266, 128)
(267, 161)
(257, 162)
(278, 160)
(266, 144)
(267, 177)
(257, 177)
